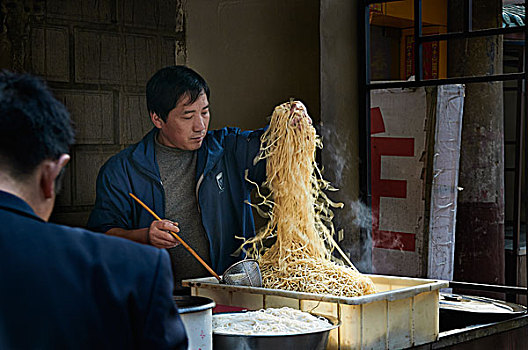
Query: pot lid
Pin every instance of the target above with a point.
(476, 304)
(188, 304)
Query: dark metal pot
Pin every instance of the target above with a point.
(460, 311)
(305, 341)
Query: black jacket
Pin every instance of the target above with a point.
(68, 288)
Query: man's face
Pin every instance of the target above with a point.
(186, 124)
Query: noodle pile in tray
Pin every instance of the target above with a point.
(273, 321)
(299, 213)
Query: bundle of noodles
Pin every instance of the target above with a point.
(299, 213)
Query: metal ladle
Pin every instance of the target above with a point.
(243, 273)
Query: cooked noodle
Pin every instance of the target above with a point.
(283, 321)
(299, 213)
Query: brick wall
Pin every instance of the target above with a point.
(97, 57)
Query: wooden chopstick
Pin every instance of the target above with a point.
(179, 239)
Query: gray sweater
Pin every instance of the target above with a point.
(178, 175)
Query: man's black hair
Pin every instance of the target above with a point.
(169, 85)
(34, 126)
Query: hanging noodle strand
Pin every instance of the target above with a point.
(299, 213)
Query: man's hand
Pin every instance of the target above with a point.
(158, 234)
(299, 115)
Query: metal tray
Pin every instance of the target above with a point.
(309, 341)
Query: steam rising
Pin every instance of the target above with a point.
(355, 219)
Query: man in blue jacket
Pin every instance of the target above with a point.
(193, 178)
(61, 287)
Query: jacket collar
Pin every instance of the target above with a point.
(144, 154)
(16, 204)
(209, 154)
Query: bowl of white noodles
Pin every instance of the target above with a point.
(273, 328)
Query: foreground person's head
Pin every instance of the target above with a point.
(35, 136)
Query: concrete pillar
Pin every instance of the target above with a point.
(479, 249)
(339, 123)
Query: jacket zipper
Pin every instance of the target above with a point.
(198, 183)
(157, 181)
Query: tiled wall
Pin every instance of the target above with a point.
(97, 58)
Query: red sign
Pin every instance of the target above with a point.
(387, 146)
(430, 56)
